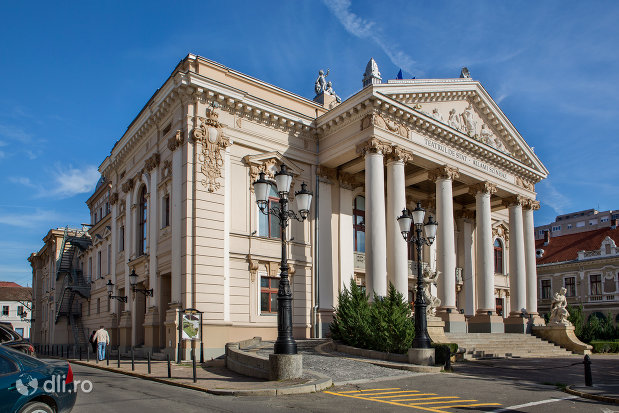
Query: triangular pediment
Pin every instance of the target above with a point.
(270, 161)
(464, 106)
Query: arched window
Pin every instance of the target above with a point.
(358, 213)
(142, 227)
(498, 256)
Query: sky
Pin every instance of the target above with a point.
(73, 75)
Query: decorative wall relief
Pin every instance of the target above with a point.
(523, 183)
(210, 135)
(374, 119)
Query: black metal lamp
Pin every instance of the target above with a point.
(285, 343)
(133, 280)
(110, 291)
(422, 339)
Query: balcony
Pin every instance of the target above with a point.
(598, 298)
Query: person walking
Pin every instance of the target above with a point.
(93, 341)
(103, 339)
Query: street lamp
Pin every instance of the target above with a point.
(285, 343)
(421, 340)
(110, 291)
(133, 280)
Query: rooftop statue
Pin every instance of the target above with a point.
(464, 73)
(321, 83)
(329, 90)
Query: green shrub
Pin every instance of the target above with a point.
(442, 351)
(605, 346)
(386, 324)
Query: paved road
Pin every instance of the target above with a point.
(444, 393)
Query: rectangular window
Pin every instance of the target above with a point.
(569, 226)
(20, 331)
(570, 286)
(121, 239)
(358, 224)
(593, 222)
(98, 305)
(546, 288)
(605, 219)
(596, 284)
(268, 225)
(556, 228)
(268, 294)
(5, 310)
(165, 209)
(88, 304)
(90, 267)
(109, 259)
(540, 232)
(20, 309)
(580, 224)
(98, 264)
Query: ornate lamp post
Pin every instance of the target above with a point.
(421, 340)
(285, 343)
(133, 280)
(110, 291)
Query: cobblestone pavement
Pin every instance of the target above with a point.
(342, 368)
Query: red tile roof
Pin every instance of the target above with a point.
(9, 284)
(566, 247)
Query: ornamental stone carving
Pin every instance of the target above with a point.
(253, 267)
(210, 135)
(500, 231)
(175, 141)
(374, 145)
(443, 172)
(326, 174)
(113, 198)
(514, 200)
(166, 170)
(523, 183)
(348, 181)
(483, 187)
(127, 185)
(400, 155)
(152, 162)
(374, 119)
(558, 310)
(531, 204)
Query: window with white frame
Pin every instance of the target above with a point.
(165, 211)
(546, 289)
(569, 226)
(605, 219)
(595, 283)
(570, 286)
(268, 225)
(98, 264)
(556, 227)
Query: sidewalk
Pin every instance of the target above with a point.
(213, 377)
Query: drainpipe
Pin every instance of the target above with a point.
(316, 255)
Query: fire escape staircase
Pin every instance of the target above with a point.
(74, 285)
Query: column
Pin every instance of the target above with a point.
(114, 203)
(346, 237)
(324, 203)
(153, 230)
(445, 241)
(517, 270)
(175, 144)
(125, 321)
(397, 263)
(486, 320)
(530, 260)
(468, 261)
(375, 233)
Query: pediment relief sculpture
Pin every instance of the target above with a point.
(501, 231)
(210, 134)
(374, 119)
(270, 163)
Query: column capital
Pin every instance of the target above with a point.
(483, 187)
(175, 141)
(113, 198)
(514, 200)
(399, 154)
(374, 145)
(127, 185)
(348, 181)
(443, 172)
(531, 204)
(328, 175)
(152, 162)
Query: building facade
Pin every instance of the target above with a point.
(176, 205)
(16, 307)
(575, 222)
(586, 264)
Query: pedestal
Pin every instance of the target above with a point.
(327, 100)
(171, 331)
(421, 356)
(124, 330)
(485, 323)
(517, 324)
(285, 366)
(436, 330)
(563, 336)
(454, 322)
(151, 329)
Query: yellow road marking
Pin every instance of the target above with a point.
(398, 394)
(402, 395)
(429, 409)
(447, 401)
(469, 405)
(359, 391)
(426, 398)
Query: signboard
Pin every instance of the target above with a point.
(190, 329)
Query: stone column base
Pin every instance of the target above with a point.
(285, 366)
(124, 331)
(421, 356)
(536, 320)
(436, 330)
(324, 317)
(454, 322)
(562, 336)
(517, 324)
(151, 329)
(485, 323)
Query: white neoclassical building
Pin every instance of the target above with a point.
(176, 205)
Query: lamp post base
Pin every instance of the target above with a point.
(421, 356)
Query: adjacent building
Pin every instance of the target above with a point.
(586, 264)
(16, 306)
(575, 222)
(176, 206)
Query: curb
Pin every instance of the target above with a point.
(316, 385)
(596, 397)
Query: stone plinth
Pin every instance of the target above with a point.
(516, 324)
(563, 336)
(327, 100)
(436, 330)
(285, 366)
(486, 323)
(151, 329)
(124, 331)
(454, 322)
(421, 356)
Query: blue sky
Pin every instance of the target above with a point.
(73, 76)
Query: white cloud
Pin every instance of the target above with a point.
(15, 133)
(72, 181)
(552, 197)
(22, 180)
(29, 220)
(367, 29)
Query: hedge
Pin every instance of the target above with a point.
(605, 346)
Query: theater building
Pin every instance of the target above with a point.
(176, 205)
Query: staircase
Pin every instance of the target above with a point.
(503, 345)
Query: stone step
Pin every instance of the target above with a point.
(485, 345)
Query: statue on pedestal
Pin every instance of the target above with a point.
(320, 85)
(558, 310)
(429, 278)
